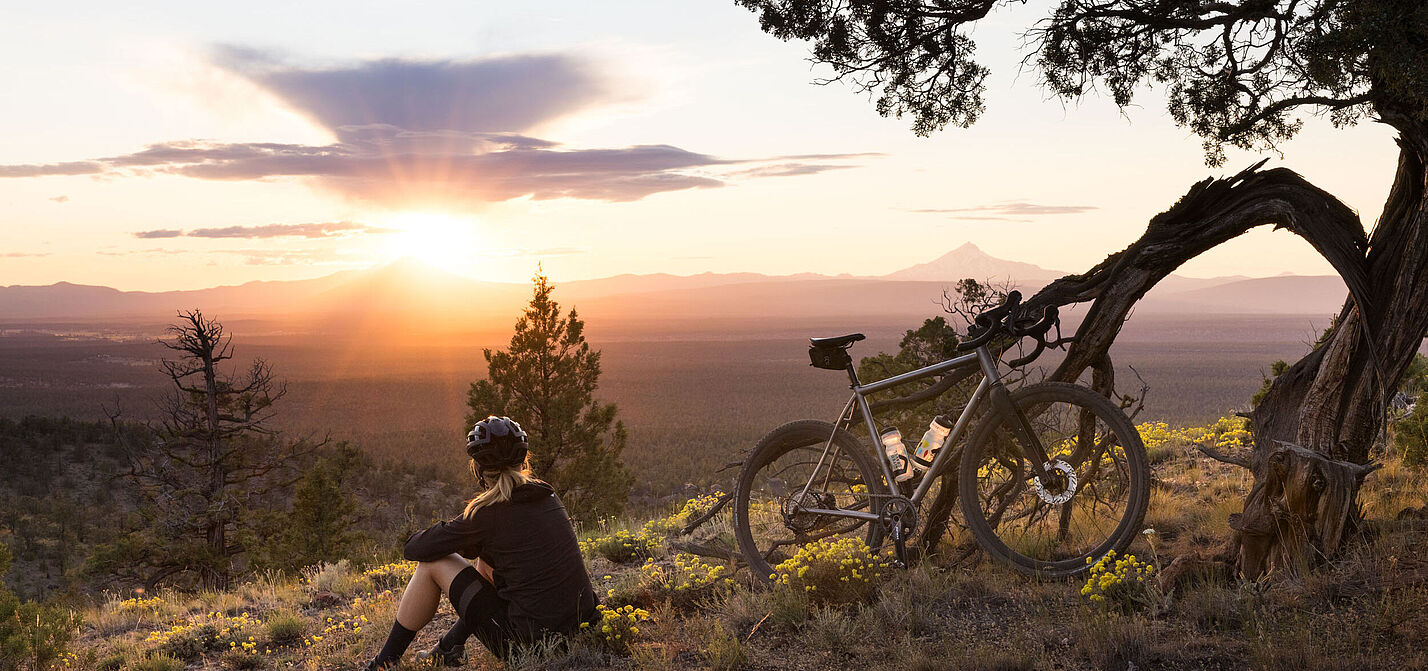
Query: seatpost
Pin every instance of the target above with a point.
(852, 373)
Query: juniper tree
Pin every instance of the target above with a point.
(546, 380)
(32, 635)
(321, 524)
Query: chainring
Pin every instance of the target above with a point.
(902, 509)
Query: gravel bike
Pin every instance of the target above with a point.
(1052, 475)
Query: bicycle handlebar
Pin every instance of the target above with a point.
(1004, 320)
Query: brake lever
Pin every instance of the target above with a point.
(1061, 341)
(1040, 347)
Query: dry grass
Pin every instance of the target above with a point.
(1364, 611)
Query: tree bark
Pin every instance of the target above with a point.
(1332, 402)
(1314, 429)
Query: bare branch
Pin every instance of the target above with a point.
(1217, 455)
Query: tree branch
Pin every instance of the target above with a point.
(1212, 212)
(1217, 455)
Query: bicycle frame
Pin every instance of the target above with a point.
(991, 385)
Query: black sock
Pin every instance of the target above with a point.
(396, 645)
(455, 636)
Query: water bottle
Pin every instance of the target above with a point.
(897, 454)
(931, 441)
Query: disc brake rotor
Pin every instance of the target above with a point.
(1062, 486)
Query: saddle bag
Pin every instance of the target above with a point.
(830, 358)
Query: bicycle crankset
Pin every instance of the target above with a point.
(1061, 485)
(900, 509)
(899, 517)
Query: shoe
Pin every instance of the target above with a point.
(452, 657)
(373, 666)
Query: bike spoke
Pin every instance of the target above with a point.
(799, 473)
(1037, 526)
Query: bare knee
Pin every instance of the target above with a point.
(443, 571)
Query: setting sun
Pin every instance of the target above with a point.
(441, 240)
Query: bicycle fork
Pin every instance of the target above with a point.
(1017, 422)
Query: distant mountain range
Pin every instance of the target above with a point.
(414, 295)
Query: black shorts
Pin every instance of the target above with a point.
(485, 612)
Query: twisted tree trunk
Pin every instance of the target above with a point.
(1314, 429)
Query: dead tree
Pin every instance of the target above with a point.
(214, 454)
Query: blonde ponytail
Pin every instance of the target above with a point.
(499, 483)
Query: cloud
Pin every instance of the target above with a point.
(48, 169)
(60, 199)
(394, 166)
(1009, 211)
(22, 255)
(789, 170)
(154, 250)
(160, 233)
(509, 93)
(325, 230)
(317, 230)
(440, 132)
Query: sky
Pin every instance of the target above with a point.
(164, 145)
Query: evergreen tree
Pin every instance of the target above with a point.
(321, 525)
(32, 635)
(1410, 434)
(12, 639)
(546, 381)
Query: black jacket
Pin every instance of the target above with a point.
(531, 547)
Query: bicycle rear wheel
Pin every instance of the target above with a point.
(1051, 530)
(770, 494)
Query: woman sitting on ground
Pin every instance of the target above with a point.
(528, 582)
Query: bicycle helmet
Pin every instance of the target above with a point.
(496, 442)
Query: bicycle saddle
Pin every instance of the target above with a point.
(838, 341)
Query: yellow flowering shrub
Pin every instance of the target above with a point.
(618, 628)
(1155, 434)
(191, 637)
(394, 575)
(1225, 432)
(137, 604)
(686, 582)
(622, 546)
(341, 630)
(668, 527)
(828, 572)
(67, 660)
(1120, 584)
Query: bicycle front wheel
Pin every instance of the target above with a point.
(1098, 494)
(800, 465)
